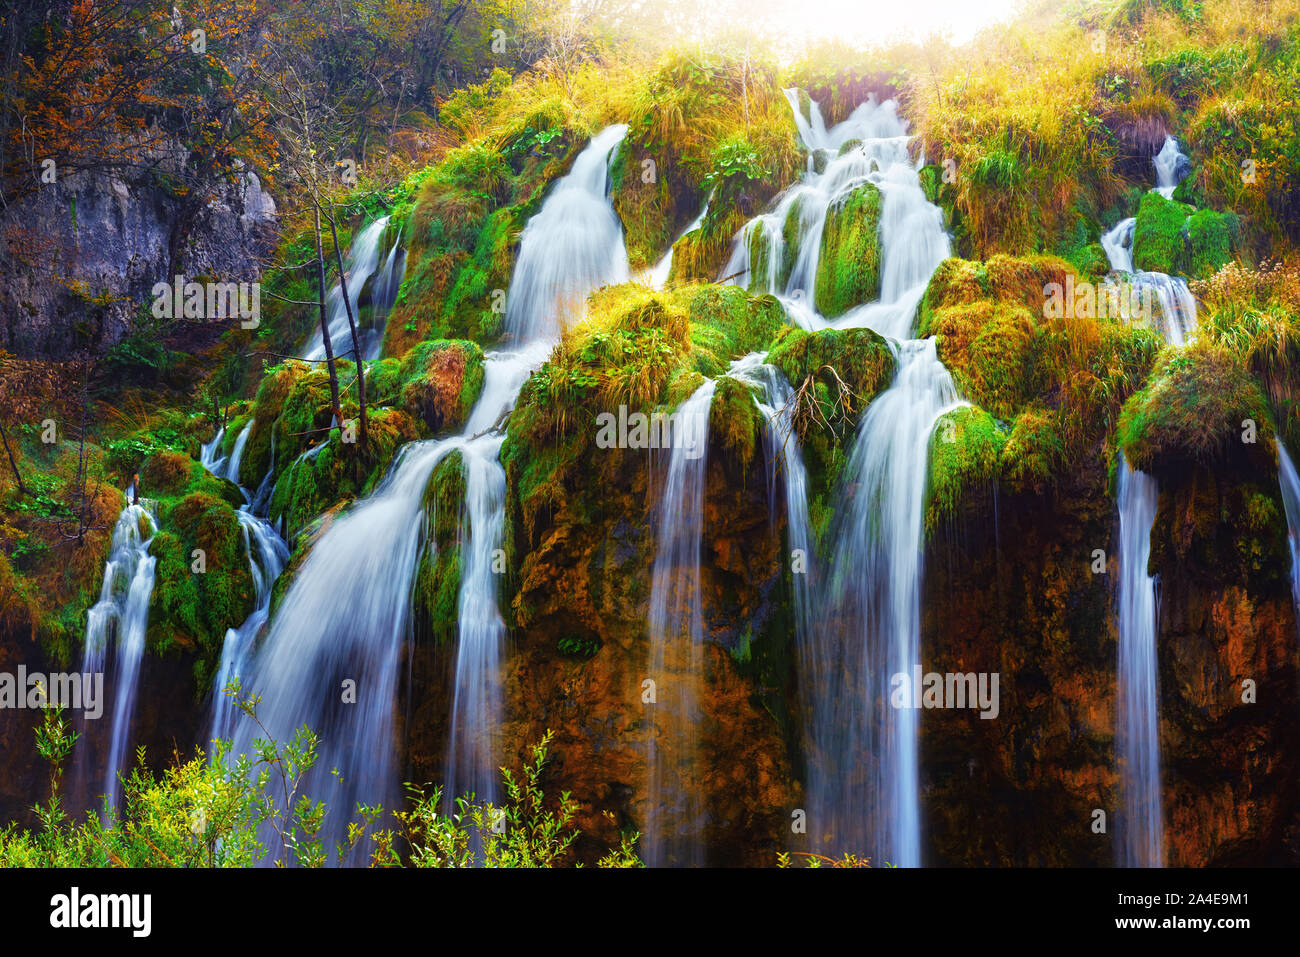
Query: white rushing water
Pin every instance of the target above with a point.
(573, 245)
(1176, 304)
(675, 817)
(267, 557)
(1290, 484)
(1137, 731)
(1137, 737)
(863, 765)
(912, 238)
(868, 798)
(342, 624)
(120, 619)
(360, 264)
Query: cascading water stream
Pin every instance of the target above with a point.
(912, 238)
(1290, 484)
(121, 616)
(267, 557)
(361, 263)
(573, 245)
(865, 793)
(1137, 730)
(674, 817)
(1176, 303)
(343, 622)
(1137, 737)
(863, 771)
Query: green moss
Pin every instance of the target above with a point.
(1159, 242)
(1201, 407)
(441, 381)
(848, 268)
(1034, 454)
(1211, 237)
(436, 595)
(191, 609)
(734, 420)
(989, 347)
(860, 358)
(965, 451)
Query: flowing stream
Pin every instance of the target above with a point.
(1290, 484)
(675, 817)
(331, 659)
(1137, 730)
(863, 768)
(360, 265)
(120, 618)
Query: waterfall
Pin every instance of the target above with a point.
(573, 245)
(1137, 732)
(330, 660)
(1176, 302)
(383, 294)
(866, 792)
(122, 616)
(674, 818)
(210, 456)
(1290, 484)
(863, 773)
(912, 238)
(231, 470)
(1137, 738)
(267, 556)
(658, 275)
(360, 264)
(1171, 167)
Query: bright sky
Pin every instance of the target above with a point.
(884, 21)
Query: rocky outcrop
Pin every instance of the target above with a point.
(86, 251)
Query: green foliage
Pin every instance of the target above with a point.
(1159, 243)
(1200, 407)
(965, 450)
(848, 269)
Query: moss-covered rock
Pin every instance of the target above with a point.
(1201, 407)
(848, 266)
(441, 381)
(1212, 238)
(965, 451)
(202, 582)
(1159, 243)
(436, 593)
(735, 421)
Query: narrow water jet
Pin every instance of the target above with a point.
(674, 816)
(120, 619)
(1140, 832)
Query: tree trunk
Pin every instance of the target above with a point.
(352, 325)
(22, 489)
(324, 323)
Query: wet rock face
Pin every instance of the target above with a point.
(1009, 588)
(1019, 596)
(87, 250)
(580, 653)
(1229, 698)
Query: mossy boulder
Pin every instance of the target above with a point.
(202, 582)
(988, 346)
(1158, 241)
(965, 451)
(334, 472)
(436, 594)
(1200, 407)
(735, 422)
(848, 265)
(441, 381)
